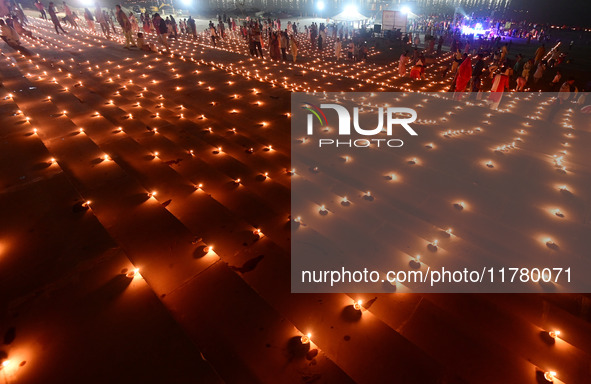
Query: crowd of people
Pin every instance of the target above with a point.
(517, 73)
(484, 63)
(13, 26)
(453, 25)
(334, 39)
(268, 33)
(476, 63)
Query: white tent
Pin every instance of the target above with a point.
(349, 15)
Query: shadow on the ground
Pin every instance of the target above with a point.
(295, 348)
(96, 301)
(41, 166)
(249, 265)
(350, 314)
(546, 338)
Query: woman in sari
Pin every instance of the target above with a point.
(500, 83)
(456, 60)
(274, 47)
(464, 74)
(294, 48)
(147, 25)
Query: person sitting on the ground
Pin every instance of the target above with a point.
(418, 71)
(141, 43)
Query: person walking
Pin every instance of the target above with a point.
(477, 72)
(274, 46)
(337, 48)
(101, 18)
(212, 33)
(256, 36)
(161, 30)
(41, 9)
(70, 16)
(20, 14)
(500, 84)
(134, 24)
(174, 27)
(283, 44)
(109, 18)
(89, 19)
(464, 74)
(145, 19)
(54, 19)
(123, 21)
(191, 24)
(221, 30)
(294, 45)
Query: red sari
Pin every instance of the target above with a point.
(500, 83)
(464, 75)
(274, 47)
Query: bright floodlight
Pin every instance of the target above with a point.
(320, 5)
(187, 3)
(350, 9)
(405, 10)
(87, 3)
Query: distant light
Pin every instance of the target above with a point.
(320, 5)
(477, 30)
(350, 9)
(87, 3)
(405, 10)
(187, 3)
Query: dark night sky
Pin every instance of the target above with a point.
(572, 12)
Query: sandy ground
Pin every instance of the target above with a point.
(69, 314)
